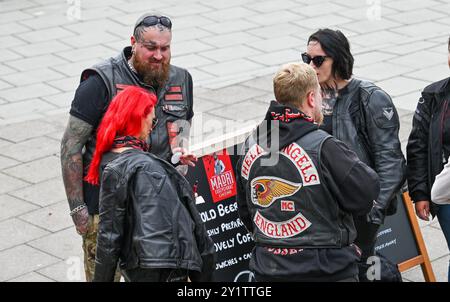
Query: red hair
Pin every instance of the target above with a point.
(123, 117)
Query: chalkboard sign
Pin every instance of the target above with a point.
(396, 239)
(214, 181)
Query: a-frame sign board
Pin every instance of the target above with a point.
(400, 239)
(422, 259)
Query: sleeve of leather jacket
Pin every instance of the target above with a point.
(110, 232)
(354, 184)
(417, 153)
(205, 246)
(382, 124)
(241, 197)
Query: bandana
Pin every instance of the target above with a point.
(130, 141)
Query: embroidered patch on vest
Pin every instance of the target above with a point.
(174, 89)
(303, 163)
(267, 189)
(287, 206)
(173, 97)
(251, 156)
(284, 229)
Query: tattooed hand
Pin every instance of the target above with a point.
(81, 219)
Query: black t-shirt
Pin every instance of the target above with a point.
(90, 101)
(328, 102)
(89, 104)
(329, 99)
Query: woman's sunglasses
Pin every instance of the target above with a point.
(317, 60)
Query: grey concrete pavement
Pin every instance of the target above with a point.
(232, 48)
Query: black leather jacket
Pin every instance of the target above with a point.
(424, 150)
(366, 119)
(148, 219)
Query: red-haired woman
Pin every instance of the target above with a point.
(148, 220)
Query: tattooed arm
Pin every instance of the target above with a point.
(75, 137)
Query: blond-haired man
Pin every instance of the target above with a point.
(299, 208)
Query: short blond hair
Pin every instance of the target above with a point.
(293, 82)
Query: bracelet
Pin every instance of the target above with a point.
(77, 209)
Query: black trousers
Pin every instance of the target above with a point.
(365, 240)
(155, 275)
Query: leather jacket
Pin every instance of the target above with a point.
(366, 119)
(316, 219)
(424, 151)
(148, 219)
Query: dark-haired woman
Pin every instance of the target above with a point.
(428, 151)
(148, 220)
(364, 117)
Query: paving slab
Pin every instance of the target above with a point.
(8, 183)
(18, 94)
(71, 270)
(436, 241)
(231, 94)
(11, 207)
(401, 85)
(421, 59)
(231, 67)
(26, 110)
(6, 162)
(229, 39)
(15, 232)
(7, 55)
(52, 218)
(63, 244)
(34, 129)
(250, 110)
(37, 170)
(440, 269)
(36, 62)
(31, 277)
(432, 74)
(23, 259)
(32, 77)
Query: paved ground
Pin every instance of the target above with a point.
(232, 48)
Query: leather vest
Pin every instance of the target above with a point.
(289, 202)
(171, 110)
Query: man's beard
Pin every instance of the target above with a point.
(150, 76)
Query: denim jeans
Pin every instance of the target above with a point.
(443, 216)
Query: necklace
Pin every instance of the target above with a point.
(131, 66)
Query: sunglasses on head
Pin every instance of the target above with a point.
(154, 20)
(317, 60)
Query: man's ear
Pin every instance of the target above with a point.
(310, 99)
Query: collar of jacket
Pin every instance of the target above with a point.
(289, 130)
(439, 88)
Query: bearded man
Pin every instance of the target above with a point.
(146, 63)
